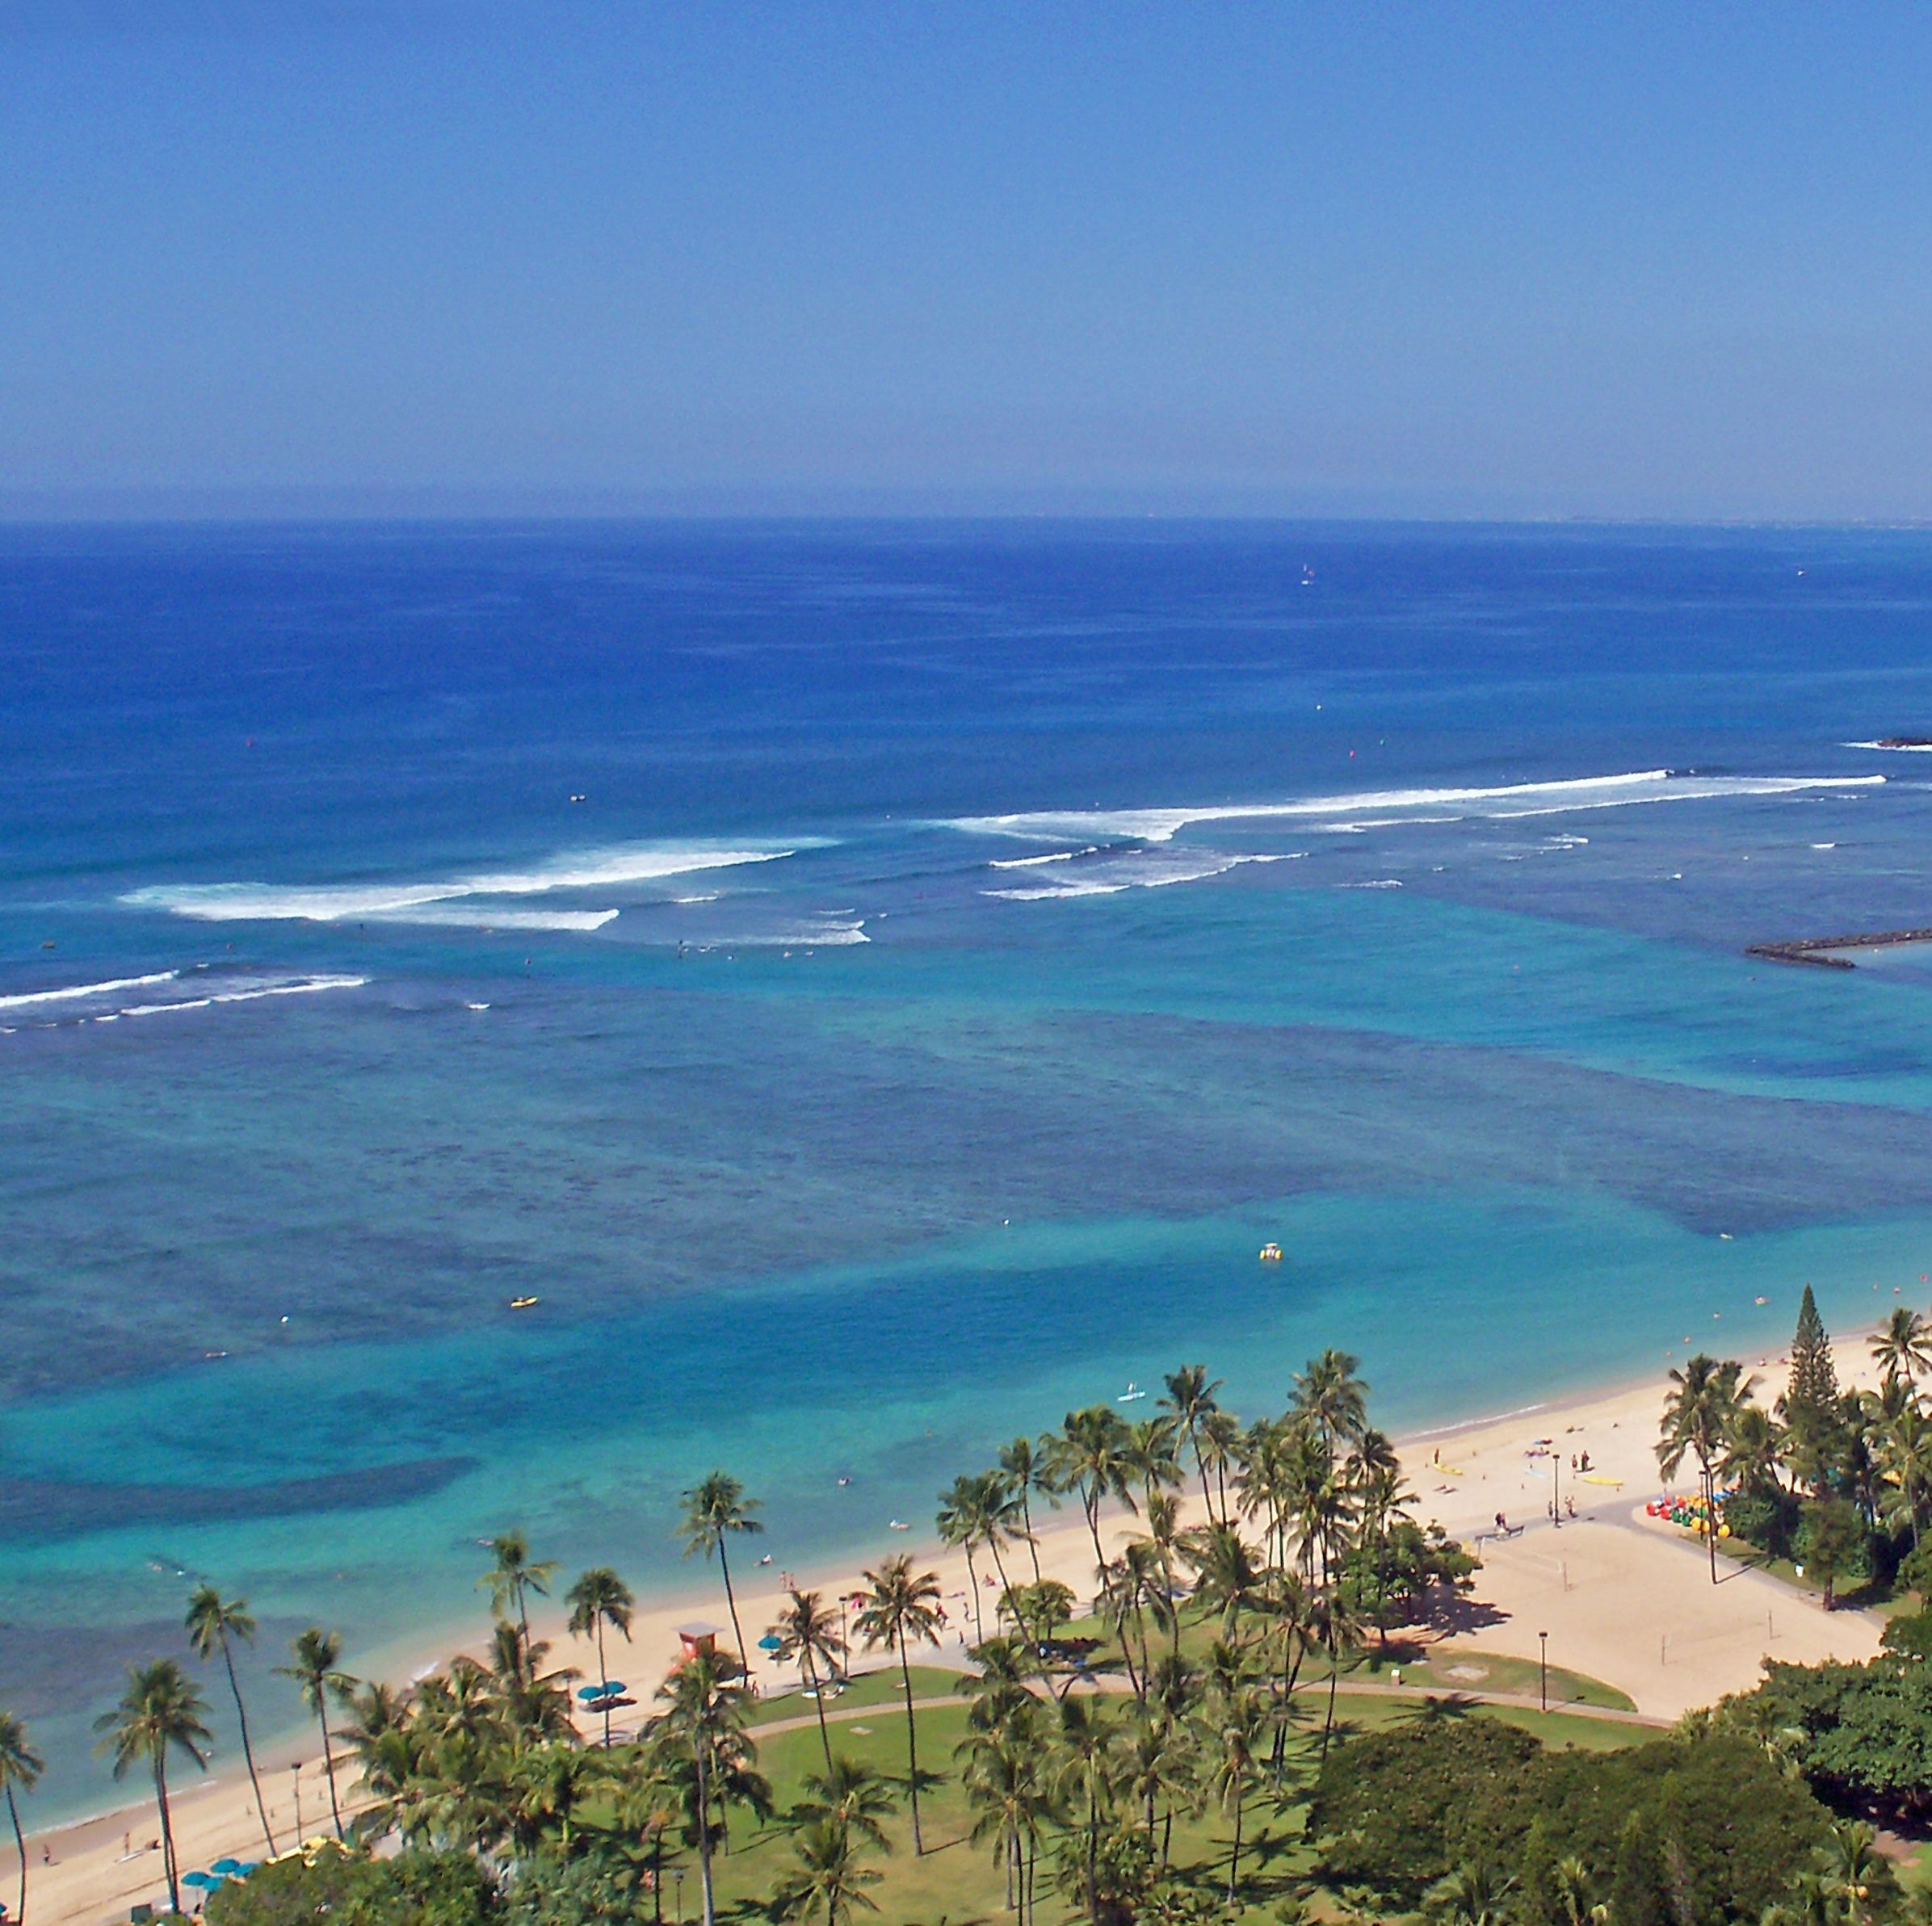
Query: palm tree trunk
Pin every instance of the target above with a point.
(1234, 1858)
(228, 1659)
(1026, 1512)
(972, 1583)
(328, 1766)
(1012, 1854)
(1093, 1517)
(167, 1832)
(912, 1746)
(1711, 1519)
(1093, 1845)
(711, 1911)
(818, 1701)
(731, 1604)
(999, 1565)
(603, 1678)
(1328, 1724)
(13, 1812)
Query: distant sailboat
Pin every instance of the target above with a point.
(1133, 1392)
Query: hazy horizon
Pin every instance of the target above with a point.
(313, 258)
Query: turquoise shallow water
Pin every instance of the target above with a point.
(841, 1131)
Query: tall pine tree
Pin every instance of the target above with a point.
(1814, 1385)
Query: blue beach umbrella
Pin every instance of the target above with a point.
(225, 1866)
(207, 1880)
(770, 1643)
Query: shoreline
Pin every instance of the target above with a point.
(92, 1875)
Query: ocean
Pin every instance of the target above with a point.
(878, 986)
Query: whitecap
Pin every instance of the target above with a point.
(249, 992)
(836, 935)
(1375, 883)
(1503, 801)
(483, 916)
(1028, 862)
(74, 991)
(1894, 749)
(404, 902)
(1139, 869)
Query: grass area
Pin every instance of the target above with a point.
(876, 1685)
(958, 1882)
(1461, 1668)
(1441, 1668)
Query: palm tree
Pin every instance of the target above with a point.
(20, 1769)
(514, 1575)
(1904, 1347)
(1004, 1786)
(1334, 1625)
(1752, 1449)
(703, 1721)
(1218, 1439)
(160, 1711)
(828, 1884)
(1151, 1454)
(1086, 1765)
(852, 1795)
(211, 1625)
(600, 1598)
(902, 1605)
(1190, 1398)
(807, 1631)
(1905, 1455)
(1233, 1751)
(532, 1705)
(318, 1678)
(713, 1509)
(1852, 1866)
(1025, 1475)
(958, 1529)
(1226, 1576)
(1090, 1457)
(1700, 1414)
(1331, 1395)
(1473, 1895)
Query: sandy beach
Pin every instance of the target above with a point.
(1621, 1598)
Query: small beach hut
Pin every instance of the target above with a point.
(696, 1641)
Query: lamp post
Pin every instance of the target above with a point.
(1556, 1496)
(677, 1873)
(1543, 1639)
(296, 1774)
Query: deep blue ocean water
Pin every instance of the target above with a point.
(878, 986)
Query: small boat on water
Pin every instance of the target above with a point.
(1131, 1395)
(524, 1303)
(1270, 1253)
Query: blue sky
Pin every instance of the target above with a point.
(1355, 258)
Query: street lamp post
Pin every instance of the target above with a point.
(1543, 1639)
(677, 1873)
(296, 1774)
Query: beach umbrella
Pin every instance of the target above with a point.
(204, 1880)
(771, 1642)
(588, 1693)
(225, 1866)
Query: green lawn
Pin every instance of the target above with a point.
(875, 1685)
(958, 1882)
(1438, 1668)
